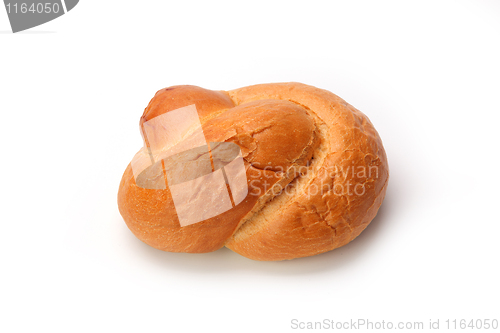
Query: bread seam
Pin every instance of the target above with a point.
(323, 144)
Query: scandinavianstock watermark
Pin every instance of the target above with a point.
(26, 14)
(206, 179)
(370, 325)
(355, 185)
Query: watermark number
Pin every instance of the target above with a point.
(39, 8)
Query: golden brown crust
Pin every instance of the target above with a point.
(302, 140)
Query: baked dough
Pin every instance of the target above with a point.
(316, 169)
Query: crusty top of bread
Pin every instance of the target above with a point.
(303, 148)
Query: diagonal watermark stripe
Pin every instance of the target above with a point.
(26, 14)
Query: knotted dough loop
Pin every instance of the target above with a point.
(316, 171)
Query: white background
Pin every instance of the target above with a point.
(427, 73)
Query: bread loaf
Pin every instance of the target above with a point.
(315, 173)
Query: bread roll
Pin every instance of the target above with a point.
(316, 173)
